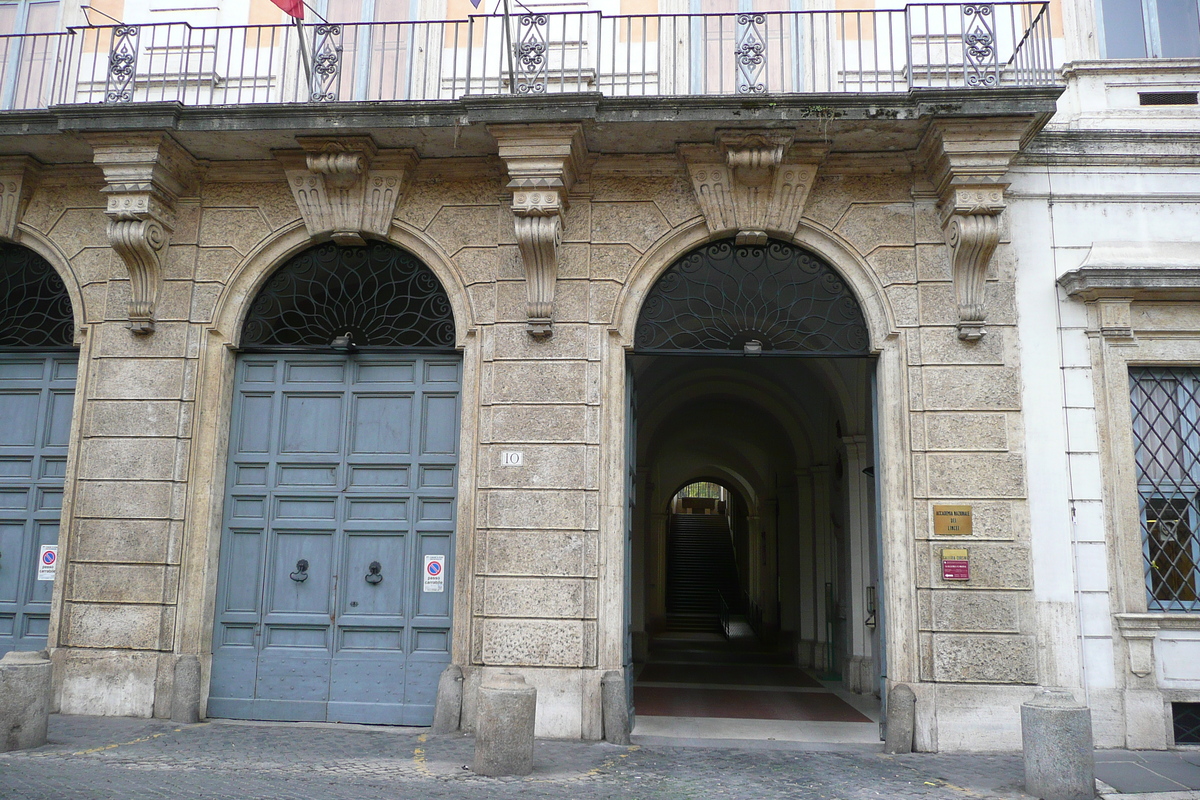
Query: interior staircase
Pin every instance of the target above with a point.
(700, 564)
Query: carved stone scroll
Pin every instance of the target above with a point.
(967, 161)
(752, 183)
(346, 187)
(543, 162)
(145, 175)
(18, 176)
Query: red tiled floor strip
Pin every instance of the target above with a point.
(656, 701)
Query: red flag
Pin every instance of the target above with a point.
(293, 8)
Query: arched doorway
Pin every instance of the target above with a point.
(752, 370)
(38, 364)
(336, 565)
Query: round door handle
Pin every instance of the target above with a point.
(301, 573)
(374, 573)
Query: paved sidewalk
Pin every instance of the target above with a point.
(97, 758)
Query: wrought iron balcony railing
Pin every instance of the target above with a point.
(868, 51)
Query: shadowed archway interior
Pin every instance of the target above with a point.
(751, 371)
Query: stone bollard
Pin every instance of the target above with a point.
(901, 719)
(1056, 737)
(24, 700)
(185, 692)
(447, 711)
(614, 706)
(504, 726)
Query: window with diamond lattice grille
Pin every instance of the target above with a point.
(1166, 428)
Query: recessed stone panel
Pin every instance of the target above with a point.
(972, 431)
(124, 541)
(971, 388)
(969, 610)
(555, 598)
(136, 627)
(519, 423)
(993, 565)
(983, 658)
(138, 378)
(128, 459)
(526, 642)
(239, 228)
(538, 381)
(131, 418)
(637, 224)
(562, 466)
(556, 553)
(894, 264)
(123, 583)
(976, 475)
(124, 499)
(870, 226)
(942, 346)
(536, 509)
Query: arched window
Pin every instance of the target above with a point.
(774, 299)
(35, 309)
(378, 294)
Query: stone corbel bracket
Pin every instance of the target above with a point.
(345, 187)
(967, 161)
(543, 161)
(18, 178)
(145, 175)
(752, 183)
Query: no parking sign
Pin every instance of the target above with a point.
(435, 574)
(47, 561)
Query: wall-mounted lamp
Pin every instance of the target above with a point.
(343, 342)
(870, 621)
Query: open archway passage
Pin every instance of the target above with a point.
(775, 299)
(337, 562)
(37, 392)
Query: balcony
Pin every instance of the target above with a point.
(938, 46)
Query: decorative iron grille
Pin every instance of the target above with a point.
(327, 63)
(35, 309)
(981, 67)
(731, 298)
(378, 294)
(533, 60)
(1166, 427)
(122, 64)
(1186, 717)
(750, 54)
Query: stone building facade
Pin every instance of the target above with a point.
(994, 344)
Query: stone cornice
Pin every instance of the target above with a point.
(1136, 271)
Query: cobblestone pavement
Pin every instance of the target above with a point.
(99, 758)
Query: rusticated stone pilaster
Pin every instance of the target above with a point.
(543, 163)
(145, 175)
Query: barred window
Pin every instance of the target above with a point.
(1166, 432)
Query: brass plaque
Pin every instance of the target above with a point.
(952, 520)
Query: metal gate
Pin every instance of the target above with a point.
(336, 566)
(37, 392)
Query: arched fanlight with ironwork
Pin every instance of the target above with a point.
(35, 309)
(773, 299)
(372, 296)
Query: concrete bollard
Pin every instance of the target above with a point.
(614, 706)
(1056, 738)
(901, 719)
(447, 711)
(24, 700)
(504, 726)
(185, 692)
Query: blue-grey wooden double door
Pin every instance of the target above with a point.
(341, 482)
(37, 393)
